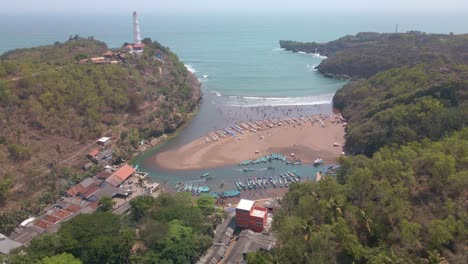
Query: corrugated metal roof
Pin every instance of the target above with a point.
(7, 245)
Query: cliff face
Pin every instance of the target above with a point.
(57, 100)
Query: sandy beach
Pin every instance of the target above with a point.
(308, 140)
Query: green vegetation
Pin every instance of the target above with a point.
(94, 238)
(64, 258)
(404, 205)
(53, 103)
(106, 204)
(403, 105)
(405, 86)
(368, 53)
(169, 229)
(173, 229)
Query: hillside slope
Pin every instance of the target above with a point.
(404, 205)
(53, 104)
(404, 86)
(368, 53)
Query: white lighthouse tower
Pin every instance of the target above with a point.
(136, 29)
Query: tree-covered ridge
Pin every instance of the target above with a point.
(402, 105)
(403, 205)
(52, 104)
(366, 54)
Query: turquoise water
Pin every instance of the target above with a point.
(236, 57)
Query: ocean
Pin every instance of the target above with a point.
(235, 56)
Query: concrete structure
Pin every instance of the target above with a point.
(247, 242)
(103, 141)
(136, 29)
(243, 213)
(258, 218)
(250, 216)
(7, 245)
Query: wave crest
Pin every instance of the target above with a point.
(190, 68)
(255, 101)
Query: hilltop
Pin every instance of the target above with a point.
(404, 86)
(57, 100)
(367, 53)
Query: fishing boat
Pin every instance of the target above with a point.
(297, 163)
(205, 175)
(318, 161)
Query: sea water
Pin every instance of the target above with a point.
(245, 75)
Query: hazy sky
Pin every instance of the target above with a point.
(109, 6)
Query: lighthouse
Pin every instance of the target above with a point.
(136, 29)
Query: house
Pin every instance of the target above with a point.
(138, 47)
(128, 47)
(120, 175)
(243, 213)
(103, 175)
(87, 165)
(258, 218)
(85, 188)
(247, 242)
(104, 155)
(104, 141)
(250, 216)
(7, 245)
(108, 54)
(92, 154)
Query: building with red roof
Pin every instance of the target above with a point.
(108, 54)
(250, 216)
(93, 153)
(51, 219)
(61, 214)
(120, 175)
(42, 224)
(82, 187)
(73, 208)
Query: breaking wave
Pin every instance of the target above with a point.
(255, 101)
(311, 67)
(278, 49)
(190, 68)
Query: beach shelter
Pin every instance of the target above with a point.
(292, 154)
(257, 151)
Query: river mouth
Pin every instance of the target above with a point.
(217, 116)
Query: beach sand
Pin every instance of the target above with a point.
(307, 141)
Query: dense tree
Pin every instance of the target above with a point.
(397, 207)
(106, 204)
(64, 258)
(140, 206)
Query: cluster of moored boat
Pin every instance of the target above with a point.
(264, 159)
(226, 194)
(193, 188)
(254, 126)
(282, 181)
